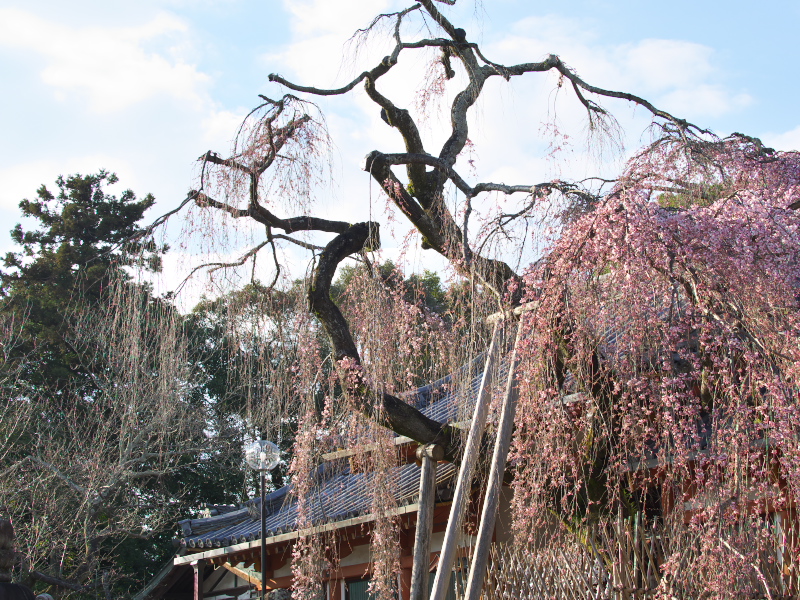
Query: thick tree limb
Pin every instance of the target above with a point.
(465, 98)
(422, 202)
(458, 117)
(385, 409)
(262, 215)
(438, 228)
(409, 158)
(318, 91)
(216, 159)
(378, 71)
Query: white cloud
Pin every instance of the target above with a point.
(23, 179)
(680, 75)
(219, 128)
(111, 65)
(789, 140)
(705, 101)
(665, 65)
(319, 53)
(676, 75)
(551, 32)
(315, 17)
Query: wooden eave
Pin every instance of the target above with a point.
(218, 553)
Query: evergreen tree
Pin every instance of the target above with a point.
(83, 238)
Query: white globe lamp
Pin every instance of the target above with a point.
(262, 456)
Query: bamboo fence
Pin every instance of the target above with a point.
(624, 560)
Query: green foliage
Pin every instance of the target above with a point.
(141, 560)
(425, 289)
(700, 196)
(429, 290)
(239, 342)
(83, 237)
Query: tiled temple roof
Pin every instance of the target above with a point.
(340, 493)
(341, 496)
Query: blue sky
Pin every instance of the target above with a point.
(144, 88)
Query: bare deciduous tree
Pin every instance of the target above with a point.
(81, 470)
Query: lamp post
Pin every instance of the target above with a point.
(262, 456)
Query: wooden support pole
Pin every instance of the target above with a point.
(335, 589)
(468, 460)
(198, 567)
(405, 584)
(420, 569)
(480, 556)
(262, 566)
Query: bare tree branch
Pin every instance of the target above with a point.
(302, 244)
(70, 585)
(79, 489)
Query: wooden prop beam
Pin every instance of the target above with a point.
(251, 576)
(470, 457)
(480, 556)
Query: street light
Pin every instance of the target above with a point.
(262, 456)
